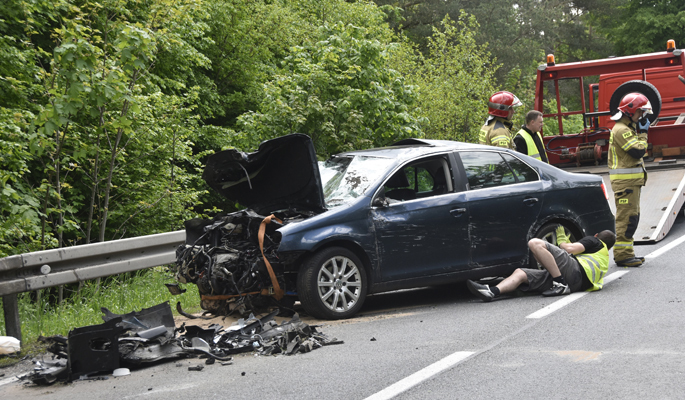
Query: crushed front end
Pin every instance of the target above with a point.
(234, 262)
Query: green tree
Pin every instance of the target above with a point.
(340, 91)
(455, 80)
(96, 134)
(515, 31)
(643, 26)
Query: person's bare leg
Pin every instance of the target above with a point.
(510, 283)
(544, 257)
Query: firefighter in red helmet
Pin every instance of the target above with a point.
(497, 128)
(627, 146)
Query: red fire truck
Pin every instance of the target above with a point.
(659, 76)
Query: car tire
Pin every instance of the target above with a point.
(643, 87)
(548, 233)
(332, 284)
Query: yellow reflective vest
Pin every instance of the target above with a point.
(496, 132)
(596, 266)
(530, 144)
(623, 168)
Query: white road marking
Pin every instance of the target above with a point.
(173, 388)
(455, 358)
(8, 380)
(420, 376)
(566, 300)
(662, 250)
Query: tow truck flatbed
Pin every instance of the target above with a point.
(660, 200)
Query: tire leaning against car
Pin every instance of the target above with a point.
(332, 284)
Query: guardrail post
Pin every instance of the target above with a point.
(11, 308)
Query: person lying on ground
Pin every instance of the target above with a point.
(568, 267)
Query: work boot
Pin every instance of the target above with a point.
(630, 262)
(483, 292)
(557, 289)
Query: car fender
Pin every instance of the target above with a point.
(346, 224)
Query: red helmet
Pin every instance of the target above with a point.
(632, 102)
(501, 102)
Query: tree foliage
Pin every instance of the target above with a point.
(455, 78)
(88, 155)
(339, 91)
(643, 26)
(517, 32)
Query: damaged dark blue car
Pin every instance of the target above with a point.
(417, 213)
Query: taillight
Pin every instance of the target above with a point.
(604, 189)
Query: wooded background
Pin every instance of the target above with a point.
(108, 109)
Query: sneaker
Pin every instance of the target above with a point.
(631, 262)
(483, 292)
(558, 289)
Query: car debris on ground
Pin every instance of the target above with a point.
(150, 335)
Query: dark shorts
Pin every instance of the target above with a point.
(540, 280)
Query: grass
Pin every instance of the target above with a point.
(121, 294)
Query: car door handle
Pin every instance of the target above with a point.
(529, 201)
(456, 212)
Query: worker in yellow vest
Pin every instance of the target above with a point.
(568, 267)
(497, 128)
(627, 146)
(528, 140)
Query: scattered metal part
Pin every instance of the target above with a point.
(93, 349)
(48, 372)
(174, 289)
(185, 314)
(153, 332)
(115, 341)
(200, 344)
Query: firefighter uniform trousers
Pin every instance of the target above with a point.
(627, 198)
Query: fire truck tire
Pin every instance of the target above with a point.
(638, 86)
(332, 284)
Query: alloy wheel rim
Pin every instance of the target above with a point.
(339, 284)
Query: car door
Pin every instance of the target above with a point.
(423, 229)
(504, 197)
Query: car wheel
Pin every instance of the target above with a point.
(644, 87)
(548, 233)
(332, 284)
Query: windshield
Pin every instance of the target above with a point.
(346, 178)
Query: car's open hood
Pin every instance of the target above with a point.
(283, 173)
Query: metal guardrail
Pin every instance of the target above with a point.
(48, 268)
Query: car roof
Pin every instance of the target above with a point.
(409, 148)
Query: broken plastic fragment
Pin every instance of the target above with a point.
(121, 372)
(153, 332)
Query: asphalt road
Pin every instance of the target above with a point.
(625, 341)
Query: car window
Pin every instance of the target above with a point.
(419, 179)
(522, 171)
(346, 178)
(486, 169)
(424, 178)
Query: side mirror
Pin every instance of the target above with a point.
(380, 202)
